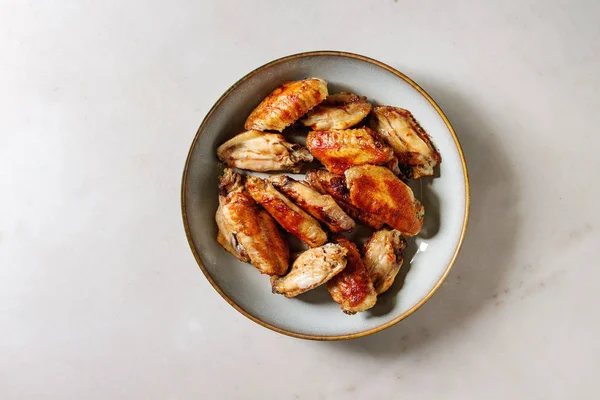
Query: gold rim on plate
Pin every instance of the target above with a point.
(465, 173)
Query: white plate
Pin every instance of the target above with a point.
(314, 315)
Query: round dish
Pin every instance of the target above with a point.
(427, 260)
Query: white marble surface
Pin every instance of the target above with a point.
(101, 298)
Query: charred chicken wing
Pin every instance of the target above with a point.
(340, 150)
(246, 230)
(320, 206)
(352, 288)
(291, 217)
(335, 185)
(286, 104)
(378, 191)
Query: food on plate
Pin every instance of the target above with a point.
(311, 269)
(320, 206)
(376, 190)
(339, 150)
(352, 287)
(411, 144)
(291, 217)
(258, 151)
(335, 185)
(364, 183)
(382, 255)
(246, 230)
(338, 111)
(286, 104)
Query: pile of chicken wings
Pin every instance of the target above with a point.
(369, 153)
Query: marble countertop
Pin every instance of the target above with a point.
(100, 296)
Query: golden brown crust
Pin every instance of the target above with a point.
(339, 150)
(352, 288)
(291, 217)
(411, 144)
(335, 185)
(321, 206)
(378, 191)
(286, 104)
(246, 230)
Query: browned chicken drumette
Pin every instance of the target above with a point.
(340, 150)
(411, 144)
(246, 230)
(321, 206)
(378, 191)
(262, 152)
(352, 288)
(311, 269)
(291, 217)
(338, 111)
(335, 185)
(382, 255)
(286, 104)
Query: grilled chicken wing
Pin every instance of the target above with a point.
(289, 215)
(320, 206)
(247, 231)
(286, 104)
(340, 150)
(411, 144)
(382, 255)
(378, 191)
(335, 185)
(352, 288)
(311, 269)
(338, 111)
(257, 151)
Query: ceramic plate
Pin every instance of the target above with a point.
(313, 315)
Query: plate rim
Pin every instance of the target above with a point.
(400, 75)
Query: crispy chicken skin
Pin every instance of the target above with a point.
(411, 144)
(335, 185)
(378, 191)
(320, 206)
(291, 217)
(286, 104)
(352, 288)
(246, 230)
(340, 150)
(311, 269)
(262, 152)
(382, 255)
(338, 111)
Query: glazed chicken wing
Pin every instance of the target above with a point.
(257, 151)
(378, 191)
(411, 144)
(286, 104)
(340, 150)
(352, 288)
(247, 231)
(320, 206)
(311, 269)
(338, 111)
(335, 185)
(292, 218)
(382, 255)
